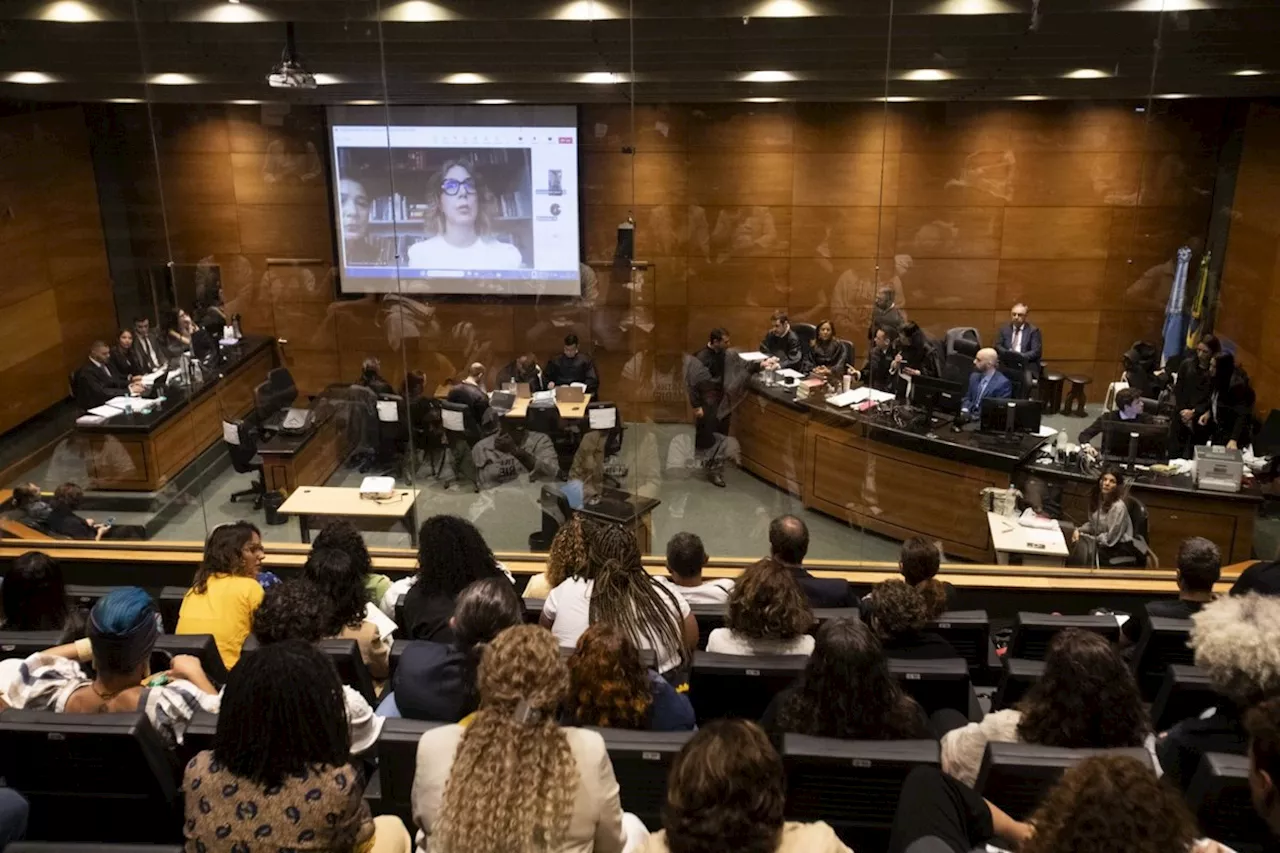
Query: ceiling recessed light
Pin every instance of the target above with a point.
(124, 100)
(417, 11)
(601, 78)
(900, 99)
(364, 102)
(972, 7)
(31, 78)
(783, 9)
(1248, 72)
(494, 102)
(927, 74)
(69, 12)
(1029, 98)
(230, 13)
(585, 10)
(763, 100)
(1175, 96)
(768, 77)
(466, 78)
(1086, 74)
(245, 102)
(1165, 6)
(234, 2)
(172, 79)
(329, 80)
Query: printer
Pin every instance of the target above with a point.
(1218, 469)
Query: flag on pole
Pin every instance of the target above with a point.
(1174, 318)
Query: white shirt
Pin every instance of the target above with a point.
(723, 641)
(436, 253)
(569, 608)
(711, 592)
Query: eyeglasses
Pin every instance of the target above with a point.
(450, 186)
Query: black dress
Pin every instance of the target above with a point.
(830, 355)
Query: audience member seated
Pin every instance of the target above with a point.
(1108, 533)
(339, 583)
(14, 811)
(566, 558)
(124, 358)
(1129, 408)
(572, 366)
(524, 369)
(451, 555)
(150, 354)
(1262, 577)
(63, 520)
(371, 377)
(685, 559)
(919, 561)
(296, 610)
(33, 509)
(123, 627)
(782, 345)
(513, 779)
(1236, 640)
(1087, 699)
(35, 598)
(176, 331)
(342, 535)
(1104, 803)
(1021, 337)
(509, 449)
(437, 681)
(610, 688)
(225, 590)
(280, 767)
(788, 545)
(727, 791)
(1199, 567)
(846, 691)
(96, 381)
(1263, 726)
(899, 616)
(986, 382)
(616, 589)
(827, 356)
(470, 392)
(768, 615)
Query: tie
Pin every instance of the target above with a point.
(1017, 340)
(982, 389)
(146, 348)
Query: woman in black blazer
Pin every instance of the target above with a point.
(124, 358)
(1227, 416)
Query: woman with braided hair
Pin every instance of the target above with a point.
(509, 778)
(614, 588)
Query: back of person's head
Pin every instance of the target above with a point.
(910, 330)
(1111, 803)
(293, 610)
(67, 496)
(415, 383)
(341, 583)
(481, 612)
(1262, 722)
(685, 555)
(726, 791)
(345, 536)
(476, 371)
(1236, 640)
(282, 711)
(788, 539)
(624, 595)
(897, 608)
(766, 602)
(567, 556)
(123, 626)
(452, 554)
(224, 552)
(847, 691)
(25, 494)
(1224, 368)
(919, 559)
(608, 686)
(1086, 699)
(1199, 564)
(33, 594)
(514, 778)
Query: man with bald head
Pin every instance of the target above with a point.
(788, 544)
(986, 381)
(470, 391)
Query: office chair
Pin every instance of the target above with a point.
(170, 603)
(1016, 776)
(1163, 641)
(961, 333)
(641, 762)
(849, 352)
(463, 433)
(1017, 675)
(602, 415)
(1219, 795)
(937, 684)
(1032, 632)
(397, 762)
(425, 430)
(242, 447)
(199, 646)
(957, 368)
(967, 347)
(740, 685)
(969, 633)
(1185, 692)
(1141, 530)
(806, 332)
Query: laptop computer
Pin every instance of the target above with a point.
(522, 390)
(503, 401)
(569, 394)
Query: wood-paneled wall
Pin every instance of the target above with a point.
(55, 288)
(1249, 297)
(1075, 208)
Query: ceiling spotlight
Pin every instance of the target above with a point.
(1174, 96)
(234, 2)
(364, 102)
(466, 78)
(783, 9)
(900, 99)
(1086, 74)
(30, 78)
(768, 77)
(1029, 98)
(245, 102)
(763, 100)
(124, 100)
(231, 12)
(1248, 72)
(601, 78)
(494, 102)
(417, 11)
(972, 7)
(1165, 6)
(171, 79)
(586, 10)
(927, 74)
(69, 12)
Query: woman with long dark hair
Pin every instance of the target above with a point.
(459, 224)
(1226, 417)
(225, 590)
(35, 597)
(341, 583)
(610, 688)
(846, 691)
(828, 356)
(345, 536)
(451, 555)
(1108, 533)
(124, 358)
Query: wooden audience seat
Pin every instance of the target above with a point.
(11, 529)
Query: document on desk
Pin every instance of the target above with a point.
(844, 398)
(105, 411)
(1046, 431)
(751, 356)
(788, 373)
(130, 404)
(1051, 540)
(149, 379)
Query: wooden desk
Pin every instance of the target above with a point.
(143, 451)
(308, 501)
(631, 511)
(290, 461)
(568, 411)
(1036, 546)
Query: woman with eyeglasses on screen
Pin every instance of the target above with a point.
(460, 235)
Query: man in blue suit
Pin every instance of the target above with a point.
(987, 382)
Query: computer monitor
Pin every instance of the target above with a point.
(937, 395)
(1000, 414)
(1130, 441)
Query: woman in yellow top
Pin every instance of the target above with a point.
(225, 591)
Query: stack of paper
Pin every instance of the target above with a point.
(752, 356)
(788, 373)
(843, 399)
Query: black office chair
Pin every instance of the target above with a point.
(200, 646)
(170, 603)
(242, 447)
(957, 368)
(969, 633)
(426, 431)
(1219, 795)
(849, 351)
(1032, 632)
(84, 596)
(23, 644)
(1016, 776)
(739, 685)
(92, 777)
(1185, 692)
(956, 334)
(806, 332)
(967, 347)
(344, 654)
(937, 684)
(1141, 531)
(641, 762)
(1017, 675)
(393, 433)
(397, 751)
(460, 426)
(1163, 641)
(853, 785)
(709, 617)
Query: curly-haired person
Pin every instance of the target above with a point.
(1237, 641)
(899, 615)
(566, 558)
(727, 791)
(1087, 699)
(513, 779)
(610, 688)
(768, 615)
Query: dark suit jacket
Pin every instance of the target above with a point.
(67, 523)
(158, 354)
(125, 362)
(1234, 418)
(95, 386)
(429, 683)
(786, 349)
(470, 395)
(824, 592)
(999, 386)
(564, 371)
(1032, 346)
(876, 371)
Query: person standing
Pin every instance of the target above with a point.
(1191, 391)
(706, 395)
(1227, 416)
(1020, 337)
(885, 314)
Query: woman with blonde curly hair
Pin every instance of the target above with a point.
(610, 688)
(768, 615)
(567, 558)
(1237, 641)
(509, 778)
